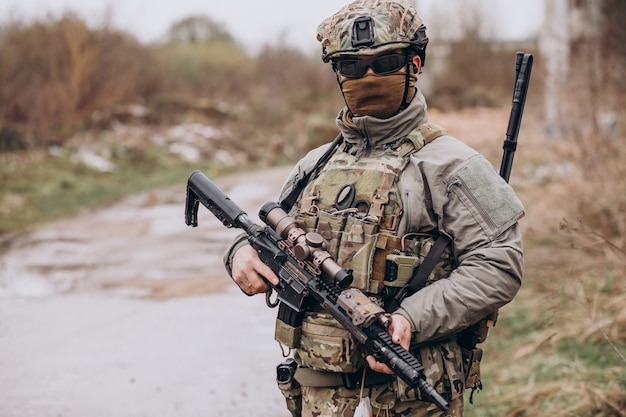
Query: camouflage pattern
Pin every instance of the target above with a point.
(360, 239)
(293, 397)
(341, 402)
(394, 23)
(326, 345)
(471, 360)
(367, 174)
(442, 368)
(353, 236)
(424, 134)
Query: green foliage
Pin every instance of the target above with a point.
(589, 354)
(198, 29)
(37, 187)
(203, 69)
(57, 73)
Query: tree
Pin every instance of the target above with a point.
(198, 29)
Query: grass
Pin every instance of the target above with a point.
(529, 371)
(559, 348)
(38, 187)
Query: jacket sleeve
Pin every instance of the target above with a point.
(476, 208)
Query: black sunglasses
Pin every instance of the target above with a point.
(381, 65)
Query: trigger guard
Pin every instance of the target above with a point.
(268, 299)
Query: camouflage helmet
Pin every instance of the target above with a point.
(369, 27)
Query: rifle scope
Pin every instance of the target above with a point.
(307, 246)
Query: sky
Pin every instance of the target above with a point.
(255, 22)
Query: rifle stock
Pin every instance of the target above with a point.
(307, 273)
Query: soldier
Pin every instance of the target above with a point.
(392, 186)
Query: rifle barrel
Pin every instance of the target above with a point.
(523, 67)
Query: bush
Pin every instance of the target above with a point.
(56, 72)
(476, 71)
(211, 69)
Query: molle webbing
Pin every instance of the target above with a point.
(412, 143)
(363, 229)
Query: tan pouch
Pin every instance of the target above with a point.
(329, 226)
(287, 335)
(356, 250)
(326, 346)
(306, 221)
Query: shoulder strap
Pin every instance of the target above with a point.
(288, 202)
(420, 137)
(431, 131)
(418, 280)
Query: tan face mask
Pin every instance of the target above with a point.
(377, 95)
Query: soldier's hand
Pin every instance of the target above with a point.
(400, 331)
(248, 271)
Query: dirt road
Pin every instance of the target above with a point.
(128, 312)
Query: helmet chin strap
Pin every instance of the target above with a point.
(404, 104)
(341, 89)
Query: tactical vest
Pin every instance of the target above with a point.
(355, 204)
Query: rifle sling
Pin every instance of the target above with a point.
(418, 281)
(288, 202)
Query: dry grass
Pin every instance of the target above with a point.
(559, 349)
(56, 73)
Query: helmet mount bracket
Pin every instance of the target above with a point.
(362, 32)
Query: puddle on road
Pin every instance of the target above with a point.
(134, 249)
(28, 285)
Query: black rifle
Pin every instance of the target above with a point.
(308, 274)
(523, 68)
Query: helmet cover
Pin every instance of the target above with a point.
(369, 27)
